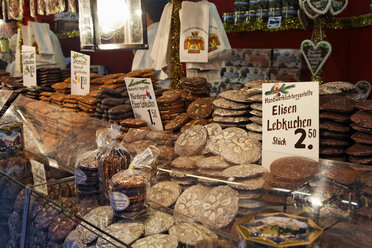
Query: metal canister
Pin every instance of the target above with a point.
(238, 17)
(241, 5)
(228, 18)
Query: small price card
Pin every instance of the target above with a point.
(29, 66)
(143, 101)
(80, 73)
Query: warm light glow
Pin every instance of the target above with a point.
(316, 202)
(139, 12)
(112, 15)
(1, 21)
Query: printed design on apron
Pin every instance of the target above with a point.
(194, 43)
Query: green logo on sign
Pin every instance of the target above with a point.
(132, 83)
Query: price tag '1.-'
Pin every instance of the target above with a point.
(290, 121)
(29, 66)
(80, 73)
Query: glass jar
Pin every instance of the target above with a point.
(228, 18)
(238, 17)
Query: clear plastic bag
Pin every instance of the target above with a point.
(86, 176)
(128, 188)
(112, 158)
(15, 9)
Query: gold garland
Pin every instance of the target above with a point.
(176, 68)
(71, 34)
(294, 23)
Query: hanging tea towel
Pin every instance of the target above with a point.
(161, 46)
(194, 18)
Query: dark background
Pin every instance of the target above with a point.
(350, 60)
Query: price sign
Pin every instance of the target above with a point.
(290, 121)
(143, 101)
(29, 66)
(38, 173)
(80, 73)
(274, 22)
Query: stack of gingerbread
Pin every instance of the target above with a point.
(195, 87)
(171, 104)
(87, 105)
(361, 151)
(335, 131)
(63, 87)
(48, 76)
(198, 113)
(132, 123)
(71, 103)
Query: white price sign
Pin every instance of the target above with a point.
(274, 22)
(290, 121)
(38, 173)
(29, 66)
(80, 73)
(143, 101)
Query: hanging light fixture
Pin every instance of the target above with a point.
(112, 25)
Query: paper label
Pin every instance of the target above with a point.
(80, 177)
(38, 173)
(80, 73)
(290, 121)
(274, 22)
(29, 66)
(119, 201)
(143, 101)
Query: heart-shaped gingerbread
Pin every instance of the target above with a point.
(315, 54)
(338, 6)
(320, 7)
(308, 11)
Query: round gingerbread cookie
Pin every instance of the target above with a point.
(219, 207)
(241, 150)
(200, 108)
(191, 200)
(177, 122)
(194, 123)
(156, 241)
(294, 168)
(235, 95)
(192, 141)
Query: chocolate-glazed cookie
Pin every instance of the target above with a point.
(336, 103)
(363, 138)
(332, 151)
(294, 168)
(333, 135)
(359, 150)
(333, 142)
(364, 105)
(362, 118)
(334, 126)
(338, 117)
(360, 128)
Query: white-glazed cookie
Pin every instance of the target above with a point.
(226, 134)
(125, 232)
(244, 171)
(227, 104)
(248, 184)
(241, 151)
(254, 127)
(158, 222)
(219, 207)
(156, 241)
(190, 201)
(186, 162)
(192, 141)
(256, 106)
(164, 193)
(191, 233)
(256, 119)
(100, 217)
(213, 162)
(235, 95)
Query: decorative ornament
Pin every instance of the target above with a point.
(338, 6)
(315, 54)
(320, 7)
(308, 10)
(365, 87)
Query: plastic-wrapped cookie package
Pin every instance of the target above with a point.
(112, 158)
(86, 176)
(128, 188)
